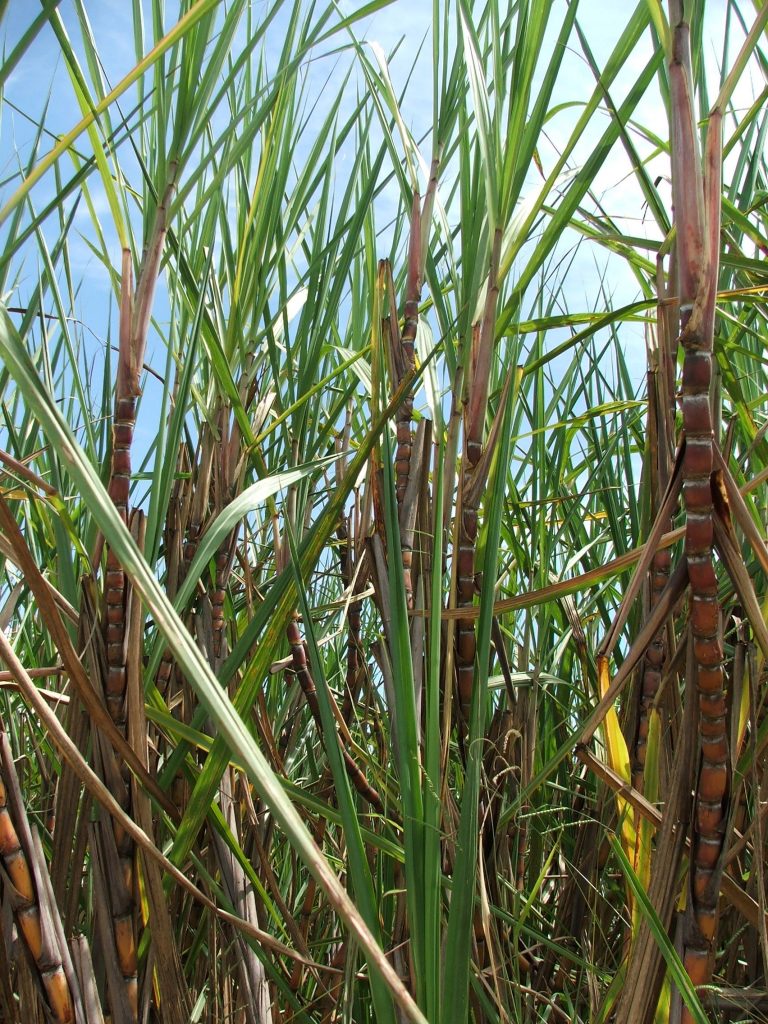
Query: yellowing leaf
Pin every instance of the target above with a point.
(645, 829)
(618, 760)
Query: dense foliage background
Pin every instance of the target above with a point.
(382, 512)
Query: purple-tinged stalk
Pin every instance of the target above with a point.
(350, 580)
(403, 359)
(697, 213)
(135, 314)
(473, 478)
(660, 425)
(307, 684)
(407, 354)
(318, 834)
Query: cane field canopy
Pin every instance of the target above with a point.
(383, 507)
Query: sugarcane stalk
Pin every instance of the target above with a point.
(403, 355)
(135, 314)
(354, 619)
(697, 210)
(173, 534)
(223, 561)
(24, 896)
(307, 684)
(119, 490)
(330, 1002)
(473, 480)
(660, 422)
(305, 914)
(407, 350)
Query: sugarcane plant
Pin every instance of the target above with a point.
(382, 638)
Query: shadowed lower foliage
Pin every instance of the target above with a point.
(382, 515)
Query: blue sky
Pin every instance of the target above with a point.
(40, 80)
